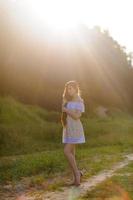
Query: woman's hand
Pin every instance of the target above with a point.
(64, 109)
(75, 114)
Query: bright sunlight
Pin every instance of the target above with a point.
(59, 16)
(62, 17)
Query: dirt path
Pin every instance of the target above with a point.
(72, 192)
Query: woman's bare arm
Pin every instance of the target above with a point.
(75, 114)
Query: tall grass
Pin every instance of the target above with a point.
(27, 128)
(31, 139)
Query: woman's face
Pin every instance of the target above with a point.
(71, 90)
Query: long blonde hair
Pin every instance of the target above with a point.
(66, 97)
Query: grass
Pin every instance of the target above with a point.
(26, 129)
(50, 163)
(31, 142)
(119, 187)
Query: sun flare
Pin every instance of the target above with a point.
(58, 15)
(40, 18)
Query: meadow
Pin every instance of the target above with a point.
(31, 143)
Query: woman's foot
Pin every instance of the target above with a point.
(75, 182)
(78, 176)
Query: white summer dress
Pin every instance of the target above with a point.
(74, 132)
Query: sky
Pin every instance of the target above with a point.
(64, 15)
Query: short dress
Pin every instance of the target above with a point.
(74, 132)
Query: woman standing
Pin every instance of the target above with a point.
(73, 133)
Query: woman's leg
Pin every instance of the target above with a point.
(69, 151)
(73, 150)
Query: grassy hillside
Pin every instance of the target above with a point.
(28, 129)
(31, 140)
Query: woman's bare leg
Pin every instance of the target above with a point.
(69, 151)
(73, 152)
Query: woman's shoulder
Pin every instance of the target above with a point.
(80, 105)
(80, 99)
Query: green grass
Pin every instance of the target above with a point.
(119, 187)
(49, 163)
(26, 129)
(31, 141)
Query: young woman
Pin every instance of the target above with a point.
(73, 133)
